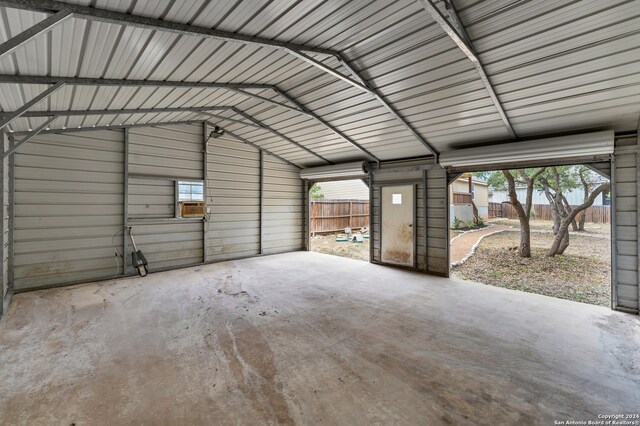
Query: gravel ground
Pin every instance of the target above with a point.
(327, 244)
(582, 274)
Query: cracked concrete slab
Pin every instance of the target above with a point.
(307, 338)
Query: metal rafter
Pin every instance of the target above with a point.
(362, 85)
(325, 123)
(277, 133)
(232, 120)
(376, 94)
(104, 15)
(24, 108)
(28, 137)
(468, 50)
(42, 26)
(457, 23)
(112, 127)
(82, 81)
(266, 151)
(74, 112)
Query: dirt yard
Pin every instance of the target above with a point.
(582, 274)
(327, 244)
(603, 229)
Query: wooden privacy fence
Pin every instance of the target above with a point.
(595, 214)
(335, 215)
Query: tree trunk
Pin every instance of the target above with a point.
(583, 219)
(561, 241)
(525, 238)
(525, 233)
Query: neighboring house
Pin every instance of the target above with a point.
(574, 197)
(344, 190)
(464, 193)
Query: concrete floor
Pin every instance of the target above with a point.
(308, 338)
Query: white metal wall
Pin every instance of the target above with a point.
(283, 207)
(233, 197)
(625, 224)
(156, 156)
(68, 203)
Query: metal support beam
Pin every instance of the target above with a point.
(28, 137)
(308, 59)
(24, 108)
(115, 126)
(264, 99)
(457, 23)
(125, 204)
(83, 81)
(205, 183)
(326, 124)
(468, 50)
(363, 86)
(42, 26)
(277, 133)
(114, 17)
(261, 224)
(376, 94)
(232, 120)
(266, 151)
(84, 112)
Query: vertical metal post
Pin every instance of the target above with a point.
(205, 162)
(2, 182)
(125, 204)
(305, 214)
(261, 201)
(426, 220)
(415, 226)
(447, 225)
(614, 236)
(371, 232)
(11, 204)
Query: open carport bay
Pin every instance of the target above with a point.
(191, 132)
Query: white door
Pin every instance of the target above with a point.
(397, 234)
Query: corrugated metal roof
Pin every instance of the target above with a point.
(566, 67)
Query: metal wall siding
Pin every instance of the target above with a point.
(431, 224)
(233, 196)
(68, 204)
(437, 224)
(5, 220)
(626, 231)
(283, 216)
(171, 152)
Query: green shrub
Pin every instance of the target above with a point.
(469, 223)
(456, 223)
(480, 221)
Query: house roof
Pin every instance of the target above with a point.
(327, 80)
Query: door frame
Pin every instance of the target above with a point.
(415, 224)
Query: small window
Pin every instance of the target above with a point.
(190, 191)
(396, 198)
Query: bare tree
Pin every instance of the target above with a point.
(524, 211)
(561, 241)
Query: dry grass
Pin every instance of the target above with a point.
(582, 274)
(327, 244)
